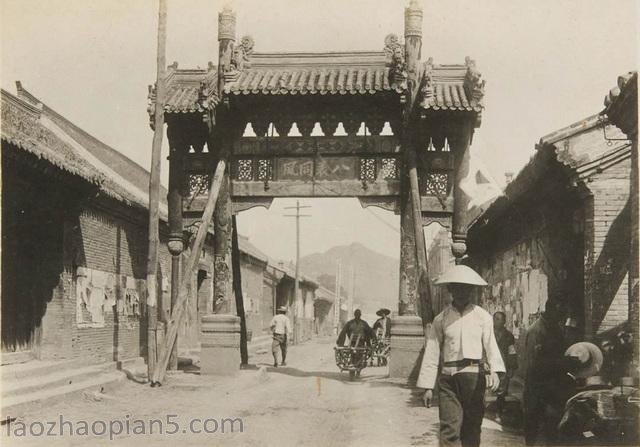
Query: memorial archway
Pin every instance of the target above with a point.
(416, 172)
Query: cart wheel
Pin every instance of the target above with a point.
(352, 375)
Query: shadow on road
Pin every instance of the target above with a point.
(294, 372)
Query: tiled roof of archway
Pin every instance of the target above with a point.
(349, 73)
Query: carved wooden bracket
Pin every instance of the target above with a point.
(387, 203)
(246, 203)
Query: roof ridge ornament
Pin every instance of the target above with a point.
(427, 89)
(240, 58)
(394, 52)
(473, 82)
(207, 97)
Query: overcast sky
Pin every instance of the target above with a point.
(547, 63)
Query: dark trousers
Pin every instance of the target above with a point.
(279, 344)
(502, 393)
(541, 416)
(461, 408)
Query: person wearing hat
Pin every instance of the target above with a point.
(382, 325)
(460, 334)
(281, 328)
(546, 383)
(587, 358)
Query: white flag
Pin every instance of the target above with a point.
(478, 185)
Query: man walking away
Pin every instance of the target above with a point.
(507, 345)
(461, 332)
(281, 328)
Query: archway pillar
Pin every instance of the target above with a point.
(407, 332)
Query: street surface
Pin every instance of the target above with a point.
(306, 403)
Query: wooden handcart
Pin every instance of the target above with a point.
(352, 358)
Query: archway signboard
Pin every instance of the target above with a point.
(381, 126)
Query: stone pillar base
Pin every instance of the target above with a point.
(219, 344)
(407, 347)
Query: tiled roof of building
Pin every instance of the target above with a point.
(66, 145)
(444, 87)
(324, 294)
(123, 165)
(249, 249)
(21, 127)
(587, 145)
(289, 270)
(581, 147)
(621, 104)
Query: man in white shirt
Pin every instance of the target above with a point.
(281, 328)
(462, 333)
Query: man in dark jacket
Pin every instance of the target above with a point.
(357, 330)
(547, 385)
(382, 326)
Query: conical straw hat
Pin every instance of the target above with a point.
(461, 274)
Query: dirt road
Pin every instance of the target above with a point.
(306, 403)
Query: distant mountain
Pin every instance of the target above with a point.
(376, 275)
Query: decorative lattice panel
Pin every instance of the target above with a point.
(436, 184)
(198, 184)
(389, 168)
(245, 169)
(367, 169)
(265, 169)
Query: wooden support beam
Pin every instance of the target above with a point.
(190, 268)
(237, 287)
(422, 281)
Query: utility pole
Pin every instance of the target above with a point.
(154, 190)
(297, 215)
(352, 288)
(336, 306)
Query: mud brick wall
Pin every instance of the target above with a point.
(533, 250)
(109, 237)
(577, 246)
(255, 305)
(607, 243)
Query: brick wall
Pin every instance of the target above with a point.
(108, 237)
(607, 243)
(255, 305)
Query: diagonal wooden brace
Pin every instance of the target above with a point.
(192, 263)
